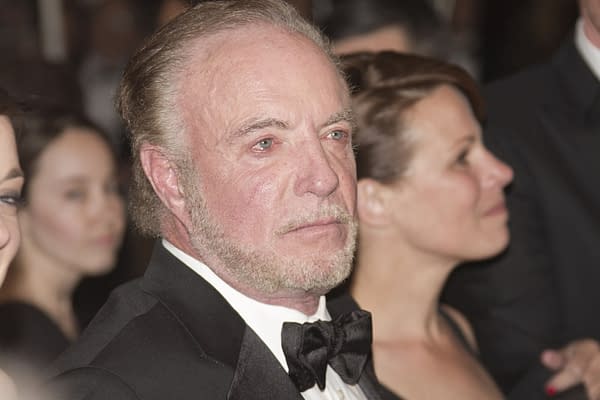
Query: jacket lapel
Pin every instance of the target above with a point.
(212, 322)
(220, 331)
(368, 383)
(568, 119)
(258, 375)
(223, 335)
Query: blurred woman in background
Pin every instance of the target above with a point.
(72, 223)
(430, 196)
(11, 183)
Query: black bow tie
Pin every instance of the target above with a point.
(344, 343)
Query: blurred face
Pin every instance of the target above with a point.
(451, 202)
(74, 214)
(590, 11)
(11, 182)
(271, 144)
(389, 38)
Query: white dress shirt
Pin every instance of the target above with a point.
(266, 321)
(589, 52)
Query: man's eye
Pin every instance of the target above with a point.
(264, 144)
(338, 135)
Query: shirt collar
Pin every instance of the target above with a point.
(265, 320)
(589, 52)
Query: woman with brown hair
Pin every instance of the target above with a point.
(430, 196)
(11, 183)
(72, 221)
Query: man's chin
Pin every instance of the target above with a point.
(321, 277)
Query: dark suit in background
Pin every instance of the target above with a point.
(171, 335)
(543, 291)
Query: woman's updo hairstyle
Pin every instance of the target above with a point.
(384, 87)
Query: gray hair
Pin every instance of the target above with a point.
(148, 91)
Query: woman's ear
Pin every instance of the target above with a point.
(371, 202)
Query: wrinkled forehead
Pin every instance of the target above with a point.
(255, 68)
(262, 38)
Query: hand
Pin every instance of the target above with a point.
(578, 362)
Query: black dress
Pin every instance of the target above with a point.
(29, 340)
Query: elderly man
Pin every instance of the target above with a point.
(243, 165)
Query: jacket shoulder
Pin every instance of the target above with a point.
(520, 92)
(150, 355)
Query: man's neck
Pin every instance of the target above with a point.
(306, 304)
(591, 33)
(589, 51)
(302, 301)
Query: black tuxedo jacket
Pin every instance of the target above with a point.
(544, 290)
(170, 335)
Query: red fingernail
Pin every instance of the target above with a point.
(550, 391)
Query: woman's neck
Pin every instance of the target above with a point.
(45, 285)
(401, 288)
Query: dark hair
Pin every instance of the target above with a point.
(33, 79)
(425, 29)
(39, 125)
(384, 87)
(10, 108)
(7, 103)
(148, 91)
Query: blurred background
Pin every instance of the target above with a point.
(75, 50)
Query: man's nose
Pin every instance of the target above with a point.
(315, 173)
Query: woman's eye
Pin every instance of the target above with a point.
(462, 157)
(264, 144)
(74, 194)
(112, 187)
(12, 201)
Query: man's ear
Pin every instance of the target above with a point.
(163, 177)
(371, 202)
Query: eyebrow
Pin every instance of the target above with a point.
(259, 125)
(347, 115)
(12, 174)
(466, 139)
(344, 115)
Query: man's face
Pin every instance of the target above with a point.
(271, 188)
